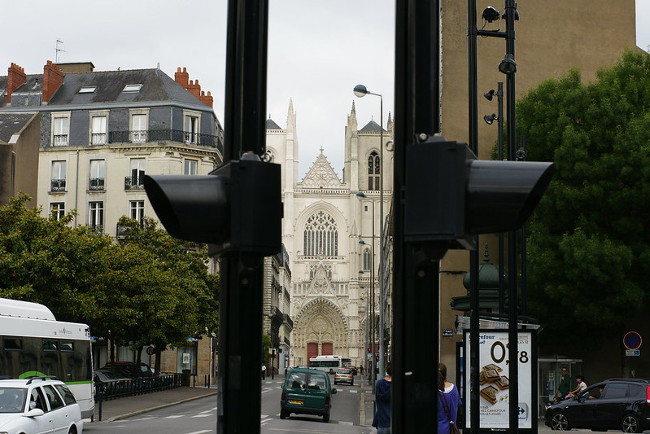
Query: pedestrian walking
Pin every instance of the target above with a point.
(381, 421)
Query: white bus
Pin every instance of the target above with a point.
(34, 343)
(329, 363)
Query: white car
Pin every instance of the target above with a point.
(38, 405)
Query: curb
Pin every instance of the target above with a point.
(145, 410)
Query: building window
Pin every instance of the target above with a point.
(136, 180)
(373, 171)
(98, 130)
(97, 174)
(58, 176)
(136, 210)
(367, 259)
(132, 88)
(138, 128)
(190, 167)
(60, 130)
(96, 215)
(191, 129)
(57, 209)
(321, 235)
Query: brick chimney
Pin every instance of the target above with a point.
(207, 99)
(182, 77)
(52, 80)
(15, 77)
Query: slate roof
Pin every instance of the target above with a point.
(270, 125)
(156, 87)
(12, 123)
(371, 127)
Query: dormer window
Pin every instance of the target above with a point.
(87, 89)
(132, 88)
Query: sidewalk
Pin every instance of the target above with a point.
(121, 408)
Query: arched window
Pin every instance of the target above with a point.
(373, 171)
(321, 235)
(367, 260)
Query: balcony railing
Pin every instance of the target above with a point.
(133, 183)
(57, 185)
(96, 184)
(287, 320)
(98, 139)
(164, 136)
(60, 140)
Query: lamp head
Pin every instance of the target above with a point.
(490, 14)
(489, 95)
(489, 119)
(508, 65)
(360, 90)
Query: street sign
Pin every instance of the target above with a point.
(632, 353)
(632, 340)
(151, 350)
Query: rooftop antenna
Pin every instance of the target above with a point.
(58, 50)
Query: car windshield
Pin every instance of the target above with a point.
(12, 400)
(303, 380)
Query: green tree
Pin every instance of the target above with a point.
(588, 247)
(169, 286)
(46, 261)
(148, 289)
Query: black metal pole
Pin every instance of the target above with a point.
(241, 296)
(513, 349)
(474, 327)
(502, 263)
(415, 277)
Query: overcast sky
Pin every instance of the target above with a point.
(318, 51)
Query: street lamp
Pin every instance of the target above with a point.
(361, 91)
(489, 95)
(373, 360)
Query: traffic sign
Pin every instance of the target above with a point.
(632, 340)
(632, 353)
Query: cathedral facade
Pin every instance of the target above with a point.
(330, 239)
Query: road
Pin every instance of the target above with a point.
(199, 417)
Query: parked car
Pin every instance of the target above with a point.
(612, 404)
(129, 369)
(344, 375)
(108, 376)
(38, 405)
(306, 391)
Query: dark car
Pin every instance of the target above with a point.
(306, 391)
(129, 369)
(612, 404)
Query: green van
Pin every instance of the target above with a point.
(306, 391)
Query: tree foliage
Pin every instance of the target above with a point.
(588, 246)
(148, 289)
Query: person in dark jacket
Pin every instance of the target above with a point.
(381, 421)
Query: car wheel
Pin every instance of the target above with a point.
(560, 422)
(631, 423)
(326, 417)
(72, 430)
(283, 414)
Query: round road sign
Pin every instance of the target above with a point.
(150, 350)
(632, 340)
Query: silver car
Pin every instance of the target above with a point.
(38, 405)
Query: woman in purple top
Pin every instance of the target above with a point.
(448, 401)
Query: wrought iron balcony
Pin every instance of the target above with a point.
(96, 184)
(57, 185)
(142, 136)
(287, 320)
(133, 183)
